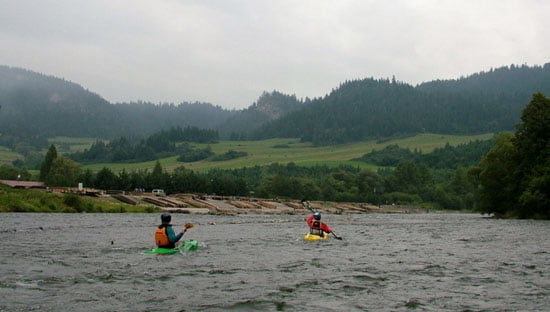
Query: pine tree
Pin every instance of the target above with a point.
(51, 155)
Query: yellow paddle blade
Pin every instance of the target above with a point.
(189, 225)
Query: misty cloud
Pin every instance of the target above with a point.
(229, 52)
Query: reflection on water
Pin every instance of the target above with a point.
(434, 262)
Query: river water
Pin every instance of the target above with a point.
(421, 262)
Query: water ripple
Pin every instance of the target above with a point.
(432, 262)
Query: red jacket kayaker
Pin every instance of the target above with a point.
(316, 226)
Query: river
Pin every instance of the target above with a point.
(386, 262)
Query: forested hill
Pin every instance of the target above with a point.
(504, 80)
(369, 108)
(36, 106)
(270, 106)
(148, 118)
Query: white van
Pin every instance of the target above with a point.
(158, 192)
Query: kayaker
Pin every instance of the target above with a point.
(164, 234)
(316, 226)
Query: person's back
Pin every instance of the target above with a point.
(316, 226)
(164, 234)
(162, 239)
(316, 229)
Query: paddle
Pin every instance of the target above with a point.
(186, 227)
(307, 206)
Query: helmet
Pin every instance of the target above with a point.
(166, 218)
(317, 216)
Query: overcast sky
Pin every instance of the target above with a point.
(229, 52)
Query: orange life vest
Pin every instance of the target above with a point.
(161, 239)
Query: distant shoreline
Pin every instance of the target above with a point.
(231, 205)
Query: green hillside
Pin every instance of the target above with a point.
(35, 107)
(292, 150)
(71, 145)
(371, 108)
(7, 156)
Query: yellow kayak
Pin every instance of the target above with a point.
(313, 237)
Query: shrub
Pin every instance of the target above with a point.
(73, 201)
(401, 198)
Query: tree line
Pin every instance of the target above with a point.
(36, 107)
(158, 145)
(378, 108)
(447, 157)
(408, 183)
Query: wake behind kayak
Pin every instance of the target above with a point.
(191, 245)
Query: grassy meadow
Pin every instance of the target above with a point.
(7, 156)
(64, 145)
(284, 151)
(264, 152)
(67, 145)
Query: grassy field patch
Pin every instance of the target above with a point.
(266, 152)
(7, 156)
(71, 145)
